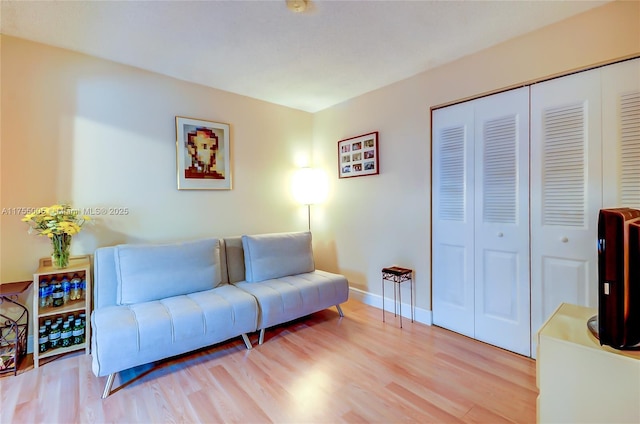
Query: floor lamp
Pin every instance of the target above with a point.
(309, 188)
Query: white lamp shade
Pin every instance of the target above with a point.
(309, 186)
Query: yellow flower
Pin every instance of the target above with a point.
(55, 220)
(53, 210)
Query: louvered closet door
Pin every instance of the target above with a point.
(502, 314)
(621, 134)
(452, 219)
(566, 193)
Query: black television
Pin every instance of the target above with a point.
(618, 321)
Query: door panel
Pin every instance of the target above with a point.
(454, 292)
(452, 228)
(621, 134)
(564, 280)
(566, 192)
(502, 314)
(498, 298)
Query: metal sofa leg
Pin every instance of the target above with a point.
(261, 336)
(107, 387)
(339, 310)
(247, 342)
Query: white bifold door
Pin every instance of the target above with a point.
(585, 155)
(480, 215)
(566, 193)
(621, 134)
(502, 237)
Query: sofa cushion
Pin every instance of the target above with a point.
(268, 256)
(287, 298)
(153, 272)
(130, 335)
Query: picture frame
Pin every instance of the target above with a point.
(358, 156)
(202, 155)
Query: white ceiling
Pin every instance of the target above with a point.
(309, 61)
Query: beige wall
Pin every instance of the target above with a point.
(375, 221)
(98, 134)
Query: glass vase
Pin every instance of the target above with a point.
(61, 247)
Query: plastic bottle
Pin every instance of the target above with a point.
(83, 290)
(50, 293)
(65, 335)
(43, 293)
(57, 295)
(76, 288)
(43, 339)
(78, 332)
(54, 337)
(66, 289)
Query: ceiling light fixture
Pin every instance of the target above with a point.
(297, 6)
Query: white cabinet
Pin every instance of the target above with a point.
(581, 381)
(481, 222)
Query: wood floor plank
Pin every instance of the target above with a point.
(318, 369)
(421, 405)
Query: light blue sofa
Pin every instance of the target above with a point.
(153, 302)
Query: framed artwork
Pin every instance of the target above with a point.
(202, 155)
(358, 156)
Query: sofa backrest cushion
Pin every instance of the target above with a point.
(268, 256)
(153, 272)
(234, 259)
(105, 282)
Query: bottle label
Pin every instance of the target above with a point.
(79, 332)
(65, 334)
(58, 295)
(43, 340)
(54, 336)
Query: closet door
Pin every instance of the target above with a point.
(621, 134)
(452, 219)
(566, 193)
(502, 307)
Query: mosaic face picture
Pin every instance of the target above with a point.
(202, 155)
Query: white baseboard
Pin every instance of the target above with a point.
(420, 315)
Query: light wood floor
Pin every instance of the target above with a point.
(319, 369)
